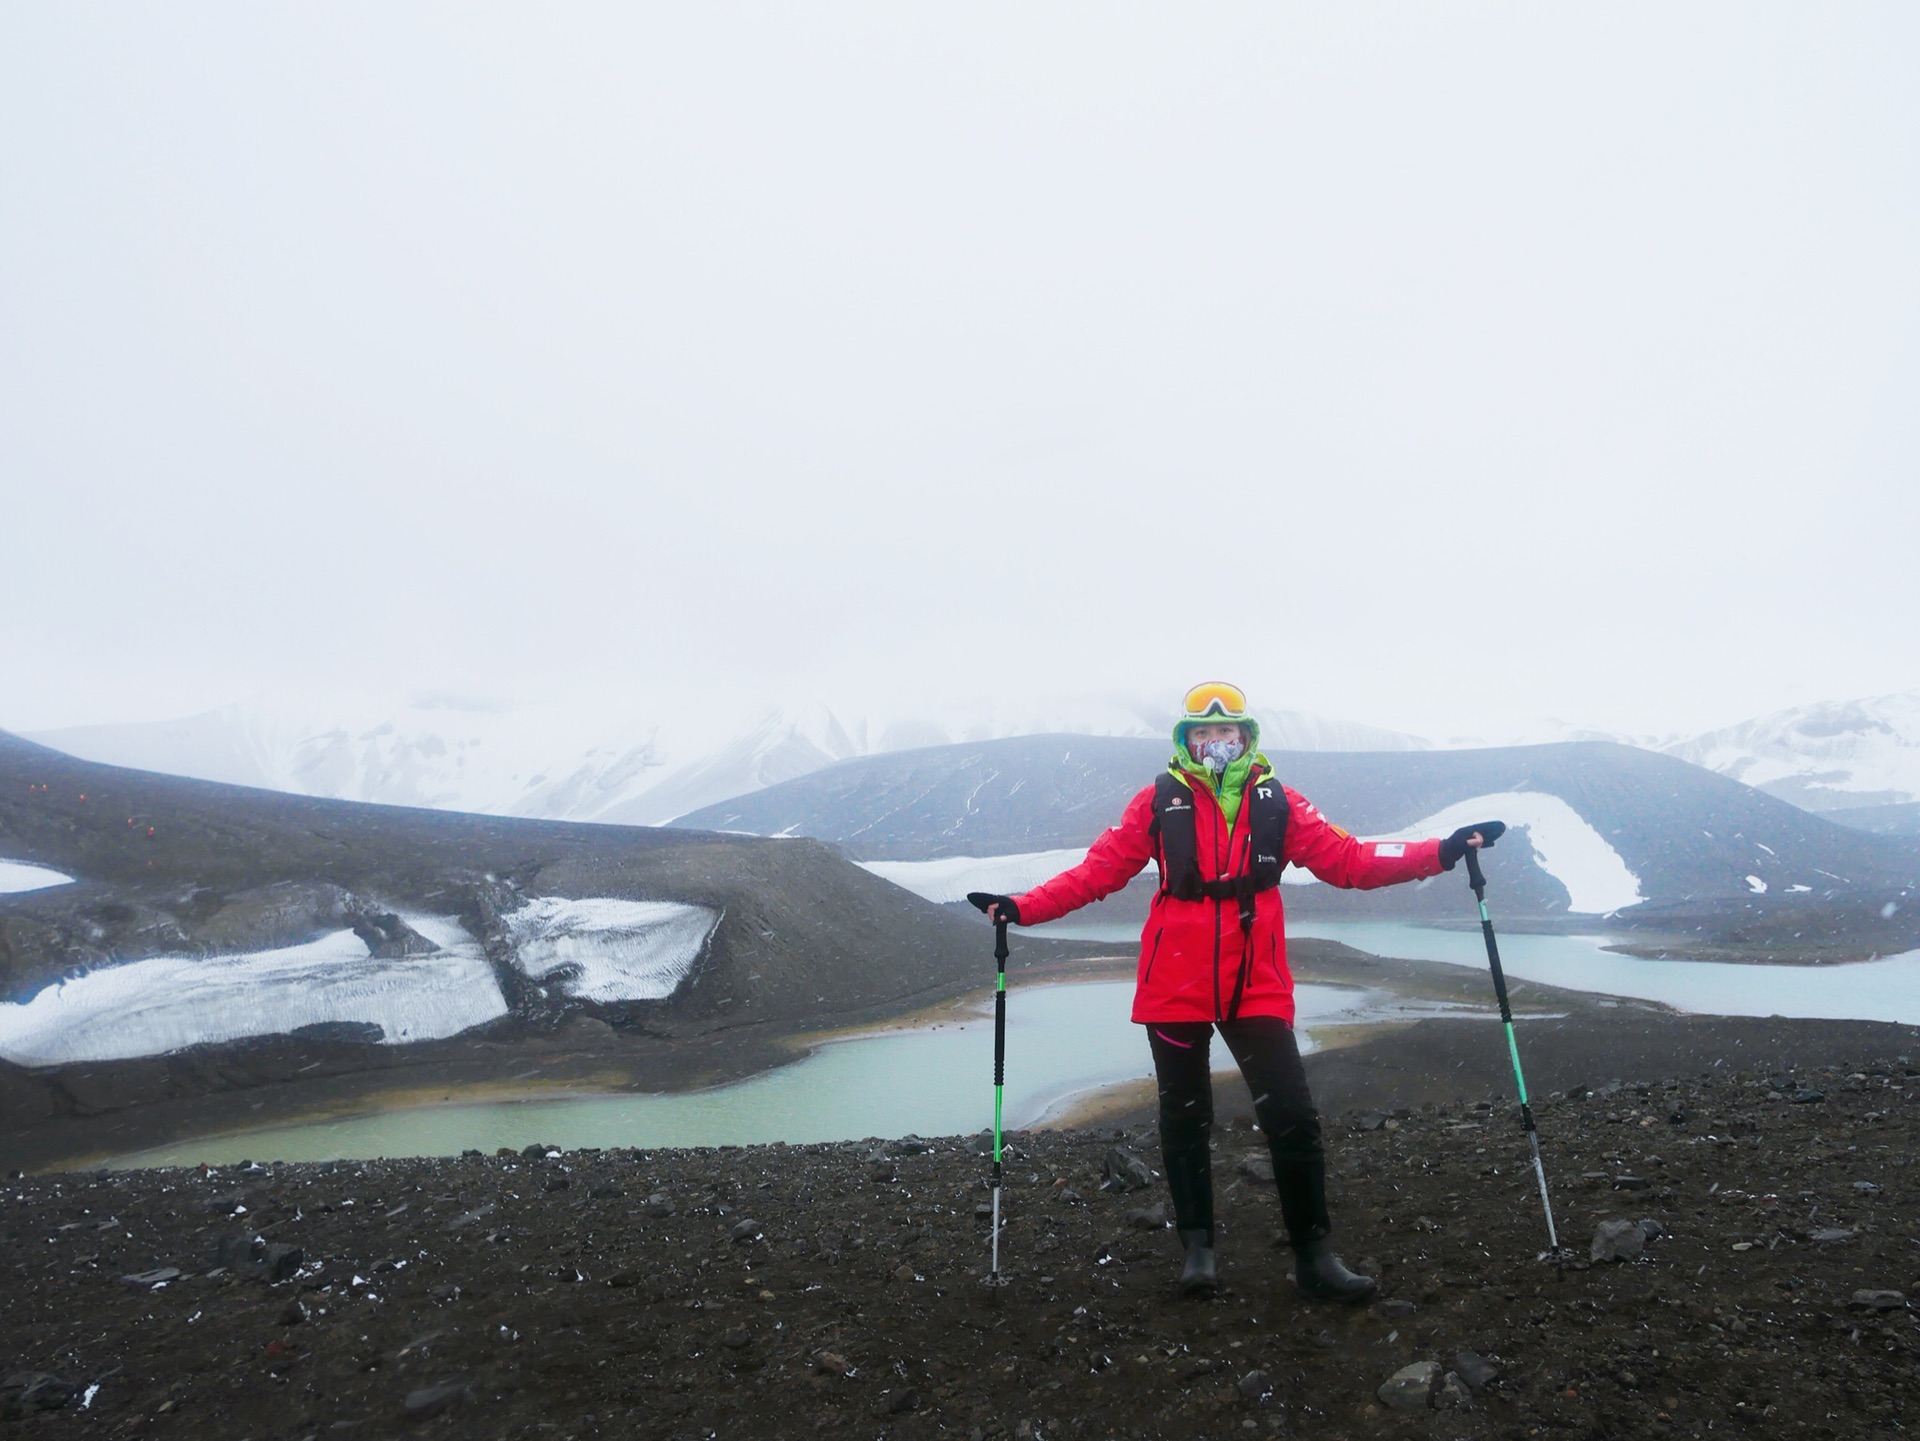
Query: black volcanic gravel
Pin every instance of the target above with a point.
(792, 1291)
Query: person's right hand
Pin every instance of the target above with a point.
(999, 909)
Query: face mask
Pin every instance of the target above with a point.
(1216, 756)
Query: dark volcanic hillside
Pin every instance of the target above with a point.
(1693, 838)
(168, 866)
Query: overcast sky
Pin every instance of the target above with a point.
(1429, 365)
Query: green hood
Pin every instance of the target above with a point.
(1233, 780)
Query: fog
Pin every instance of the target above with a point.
(1433, 366)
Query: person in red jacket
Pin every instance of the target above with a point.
(1213, 956)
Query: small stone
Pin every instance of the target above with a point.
(737, 1339)
(911, 1146)
(1070, 1196)
(444, 1294)
(468, 1218)
(432, 1400)
(606, 1193)
(1618, 1241)
(1125, 1171)
(883, 1170)
(983, 1211)
(830, 1363)
(559, 1183)
(903, 1401)
(1474, 1369)
(1865, 1188)
(1808, 1097)
(1630, 1183)
(293, 1314)
(532, 1153)
(1367, 1120)
(1832, 1235)
(659, 1204)
(1255, 1385)
(1453, 1392)
(746, 1231)
(1878, 1301)
(1652, 1229)
(1256, 1167)
(1149, 1218)
(1396, 1308)
(903, 1273)
(149, 1280)
(1410, 1388)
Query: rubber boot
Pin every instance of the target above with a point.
(1200, 1276)
(1322, 1276)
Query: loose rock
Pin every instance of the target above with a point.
(1125, 1171)
(1618, 1241)
(1411, 1388)
(1878, 1301)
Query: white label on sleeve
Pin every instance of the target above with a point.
(1389, 848)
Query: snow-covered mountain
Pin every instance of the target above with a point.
(613, 759)
(1834, 756)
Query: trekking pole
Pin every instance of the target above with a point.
(984, 901)
(1479, 883)
(999, 1072)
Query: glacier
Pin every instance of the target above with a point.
(1565, 846)
(167, 1003)
(18, 876)
(607, 950)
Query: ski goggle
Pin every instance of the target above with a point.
(1216, 700)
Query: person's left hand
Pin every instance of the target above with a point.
(999, 909)
(1482, 834)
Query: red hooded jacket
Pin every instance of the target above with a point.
(1190, 951)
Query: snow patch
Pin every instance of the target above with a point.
(949, 880)
(609, 950)
(1565, 846)
(1756, 885)
(166, 1003)
(17, 876)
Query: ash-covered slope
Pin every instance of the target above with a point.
(1607, 828)
(171, 868)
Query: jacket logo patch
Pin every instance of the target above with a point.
(1390, 848)
(1266, 860)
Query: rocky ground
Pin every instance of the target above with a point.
(837, 1290)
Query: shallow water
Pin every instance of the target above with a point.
(1062, 1040)
(1882, 990)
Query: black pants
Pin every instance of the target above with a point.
(1270, 1060)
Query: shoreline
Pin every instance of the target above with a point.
(587, 1060)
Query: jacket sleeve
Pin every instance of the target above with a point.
(1120, 854)
(1318, 845)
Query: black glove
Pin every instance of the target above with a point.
(1455, 845)
(986, 899)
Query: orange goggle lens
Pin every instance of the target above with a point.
(1216, 698)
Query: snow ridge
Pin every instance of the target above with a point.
(610, 950)
(167, 1003)
(1830, 756)
(19, 876)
